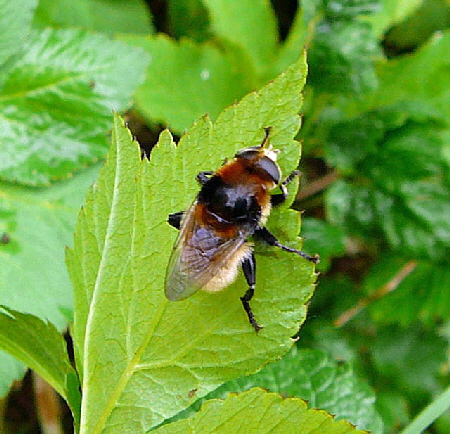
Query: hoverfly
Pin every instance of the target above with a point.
(233, 204)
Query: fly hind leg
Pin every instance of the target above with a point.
(249, 269)
(264, 234)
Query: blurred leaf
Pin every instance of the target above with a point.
(313, 376)
(57, 100)
(349, 9)
(430, 17)
(402, 194)
(391, 13)
(422, 294)
(249, 24)
(140, 365)
(323, 238)
(185, 80)
(341, 58)
(414, 83)
(410, 359)
(33, 277)
(258, 412)
(39, 345)
(189, 18)
(110, 16)
(15, 20)
(394, 409)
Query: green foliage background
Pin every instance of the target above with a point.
(375, 187)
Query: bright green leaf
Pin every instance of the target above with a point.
(10, 370)
(250, 24)
(39, 222)
(57, 101)
(258, 412)
(39, 345)
(15, 20)
(322, 382)
(33, 277)
(139, 355)
(185, 80)
(111, 16)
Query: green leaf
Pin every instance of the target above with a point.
(57, 100)
(419, 78)
(185, 80)
(15, 20)
(410, 360)
(313, 376)
(341, 58)
(189, 18)
(392, 13)
(10, 370)
(325, 238)
(39, 222)
(33, 278)
(249, 24)
(110, 16)
(404, 204)
(140, 355)
(39, 345)
(258, 412)
(422, 294)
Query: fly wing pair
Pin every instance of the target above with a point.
(198, 256)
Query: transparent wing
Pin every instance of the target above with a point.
(198, 255)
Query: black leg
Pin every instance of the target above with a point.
(249, 269)
(203, 177)
(175, 219)
(269, 238)
(277, 199)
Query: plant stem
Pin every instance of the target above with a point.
(379, 293)
(429, 414)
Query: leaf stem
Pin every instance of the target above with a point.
(429, 414)
(318, 185)
(379, 293)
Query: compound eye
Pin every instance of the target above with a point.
(271, 168)
(249, 153)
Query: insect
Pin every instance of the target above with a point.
(233, 204)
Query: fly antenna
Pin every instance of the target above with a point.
(266, 137)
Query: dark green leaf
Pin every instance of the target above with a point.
(39, 345)
(410, 359)
(323, 238)
(341, 58)
(57, 101)
(189, 18)
(402, 192)
(422, 294)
